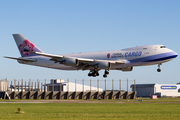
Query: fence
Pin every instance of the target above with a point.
(57, 86)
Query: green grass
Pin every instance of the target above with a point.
(166, 109)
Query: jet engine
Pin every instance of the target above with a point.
(127, 69)
(104, 65)
(71, 62)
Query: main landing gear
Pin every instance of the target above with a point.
(159, 69)
(105, 73)
(93, 73)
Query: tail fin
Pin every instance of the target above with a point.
(24, 44)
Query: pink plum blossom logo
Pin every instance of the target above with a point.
(26, 45)
(108, 55)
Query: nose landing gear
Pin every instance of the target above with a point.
(159, 69)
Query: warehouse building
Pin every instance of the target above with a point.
(58, 84)
(161, 90)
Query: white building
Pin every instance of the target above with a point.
(69, 86)
(161, 90)
(4, 85)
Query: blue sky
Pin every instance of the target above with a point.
(60, 27)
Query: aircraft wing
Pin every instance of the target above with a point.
(84, 60)
(59, 57)
(83, 63)
(46, 55)
(22, 59)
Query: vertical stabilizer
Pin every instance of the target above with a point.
(24, 44)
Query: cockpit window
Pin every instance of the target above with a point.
(163, 47)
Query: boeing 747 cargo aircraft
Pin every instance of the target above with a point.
(123, 60)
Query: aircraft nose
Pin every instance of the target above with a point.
(175, 54)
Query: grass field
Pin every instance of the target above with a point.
(166, 109)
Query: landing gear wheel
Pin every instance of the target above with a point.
(93, 73)
(105, 76)
(90, 74)
(106, 72)
(158, 70)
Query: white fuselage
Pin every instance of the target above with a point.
(136, 56)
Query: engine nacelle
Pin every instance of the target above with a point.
(71, 62)
(127, 69)
(104, 65)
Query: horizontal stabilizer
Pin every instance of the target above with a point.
(23, 59)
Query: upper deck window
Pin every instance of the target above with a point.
(163, 47)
